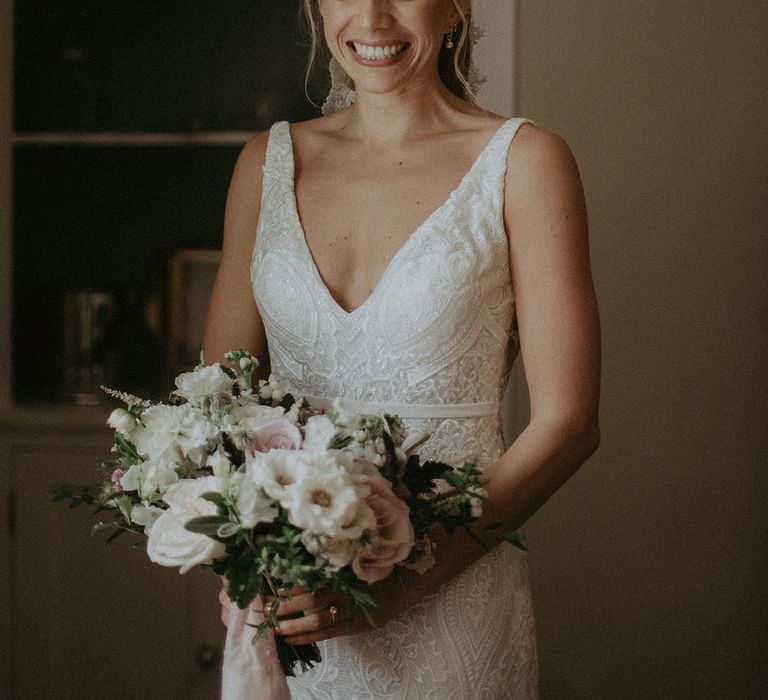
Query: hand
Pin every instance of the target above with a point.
(306, 617)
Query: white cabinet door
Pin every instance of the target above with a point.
(95, 621)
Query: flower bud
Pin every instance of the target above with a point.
(122, 421)
(476, 507)
(277, 394)
(380, 448)
(360, 436)
(245, 362)
(265, 392)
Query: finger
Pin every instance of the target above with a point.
(329, 631)
(296, 590)
(308, 624)
(306, 603)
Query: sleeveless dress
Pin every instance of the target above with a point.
(434, 343)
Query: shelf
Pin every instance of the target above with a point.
(135, 138)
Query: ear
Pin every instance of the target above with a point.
(464, 5)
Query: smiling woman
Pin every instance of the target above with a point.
(398, 253)
(453, 61)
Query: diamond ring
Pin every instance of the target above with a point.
(333, 610)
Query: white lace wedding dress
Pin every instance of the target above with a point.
(434, 342)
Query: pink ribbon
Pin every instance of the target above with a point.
(250, 671)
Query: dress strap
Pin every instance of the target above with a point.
(278, 163)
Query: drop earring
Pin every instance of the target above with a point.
(449, 37)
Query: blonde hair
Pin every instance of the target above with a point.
(453, 64)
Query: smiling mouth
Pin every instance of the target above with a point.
(378, 53)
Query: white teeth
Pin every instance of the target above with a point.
(378, 53)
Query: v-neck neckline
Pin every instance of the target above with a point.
(352, 313)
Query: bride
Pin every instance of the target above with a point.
(398, 252)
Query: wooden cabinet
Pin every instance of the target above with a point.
(92, 620)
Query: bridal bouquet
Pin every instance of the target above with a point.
(274, 494)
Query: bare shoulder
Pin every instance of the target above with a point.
(244, 196)
(543, 194)
(538, 159)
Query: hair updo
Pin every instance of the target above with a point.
(452, 64)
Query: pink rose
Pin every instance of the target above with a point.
(394, 531)
(278, 434)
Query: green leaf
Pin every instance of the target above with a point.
(103, 526)
(476, 537)
(453, 479)
(62, 493)
(126, 449)
(206, 524)
(115, 535)
(216, 498)
(227, 530)
(244, 582)
(514, 539)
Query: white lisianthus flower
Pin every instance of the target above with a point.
(145, 516)
(318, 433)
(151, 479)
(276, 472)
(209, 382)
(122, 421)
(326, 499)
(170, 543)
(175, 433)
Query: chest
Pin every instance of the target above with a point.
(359, 208)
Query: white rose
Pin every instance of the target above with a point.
(175, 433)
(318, 433)
(150, 479)
(210, 382)
(169, 543)
(122, 421)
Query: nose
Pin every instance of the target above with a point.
(374, 14)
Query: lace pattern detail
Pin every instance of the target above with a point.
(438, 328)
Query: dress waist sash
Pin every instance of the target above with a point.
(415, 410)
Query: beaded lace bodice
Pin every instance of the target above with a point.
(434, 342)
(437, 329)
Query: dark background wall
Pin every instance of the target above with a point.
(650, 565)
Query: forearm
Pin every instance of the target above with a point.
(543, 457)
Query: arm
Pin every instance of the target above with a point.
(546, 223)
(233, 318)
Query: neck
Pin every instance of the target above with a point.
(400, 116)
